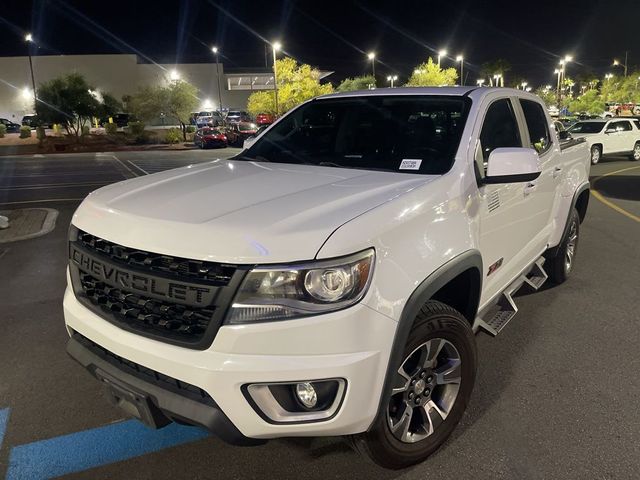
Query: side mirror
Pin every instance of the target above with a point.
(564, 135)
(512, 165)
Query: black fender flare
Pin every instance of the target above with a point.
(552, 252)
(421, 295)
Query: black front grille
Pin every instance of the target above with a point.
(171, 299)
(164, 381)
(185, 268)
(147, 313)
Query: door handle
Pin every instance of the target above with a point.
(530, 187)
(556, 172)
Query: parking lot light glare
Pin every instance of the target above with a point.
(371, 55)
(277, 46)
(214, 49)
(174, 75)
(28, 37)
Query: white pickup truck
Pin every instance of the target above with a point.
(619, 136)
(330, 279)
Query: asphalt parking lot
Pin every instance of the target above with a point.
(556, 394)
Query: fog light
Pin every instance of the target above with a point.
(307, 394)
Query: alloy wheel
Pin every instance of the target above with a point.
(636, 152)
(426, 387)
(571, 246)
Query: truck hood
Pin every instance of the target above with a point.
(238, 211)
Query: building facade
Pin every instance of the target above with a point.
(123, 74)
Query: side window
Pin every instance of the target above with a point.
(623, 126)
(637, 122)
(500, 128)
(536, 125)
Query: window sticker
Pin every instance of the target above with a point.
(410, 164)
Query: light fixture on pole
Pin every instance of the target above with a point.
(174, 76)
(29, 39)
(441, 54)
(616, 63)
(372, 56)
(216, 52)
(275, 46)
(480, 81)
(608, 76)
(524, 85)
(392, 78)
(460, 59)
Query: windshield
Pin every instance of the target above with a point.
(246, 127)
(411, 134)
(587, 127)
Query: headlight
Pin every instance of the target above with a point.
(284, 292)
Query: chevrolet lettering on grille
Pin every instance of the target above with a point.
(152, 286)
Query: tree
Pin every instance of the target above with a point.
(429, 74)
(590, 102)
(548, 96)
(497, 67)
(296, 84)
(357, 83)
(70, 101)
(177, 99)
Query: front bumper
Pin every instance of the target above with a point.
(353, 344)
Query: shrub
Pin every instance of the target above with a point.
(85, 130)
(40, 133)
(136, 128)
(173, 135)
(111, 128)
(3, 130)
(25, 131)
(191, 129)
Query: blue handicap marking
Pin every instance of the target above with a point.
(4, 419)
(93, 448)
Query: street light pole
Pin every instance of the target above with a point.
(460, 59)
(372, 56)
(29, 39)
(441, 53)
(217, 53)
(392, 78)
(275, 47)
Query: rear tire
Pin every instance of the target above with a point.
(596, 154)
(635, 155)
(433, 385)
(560, 265)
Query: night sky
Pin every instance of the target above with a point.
(531, 34)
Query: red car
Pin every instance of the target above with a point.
(237, 132)
(210, 137)
(264, 119)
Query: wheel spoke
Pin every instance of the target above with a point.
(449, 373)
(401, 381)
(401, 428)
(429, 352)
(434, 416)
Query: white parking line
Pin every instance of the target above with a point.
(125, 166)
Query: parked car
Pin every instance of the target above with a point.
(209, 119)
(11, 126)
(238, 132)
(563, 133)
(606, 137)
(209, 137)
(120, 119)
(265, 119)
(252, 138)
(553, 111)
(33, 121)
(236, 116)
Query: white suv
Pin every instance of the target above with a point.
(329, 280)
(605, 137)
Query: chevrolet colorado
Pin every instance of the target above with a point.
(330, 278)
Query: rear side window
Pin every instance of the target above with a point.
(623, 126)
(500, 128)
(536, 125)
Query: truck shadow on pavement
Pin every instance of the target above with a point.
(621, 187)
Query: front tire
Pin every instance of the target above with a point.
(596, 154)
(430, 393)
(560, 266)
